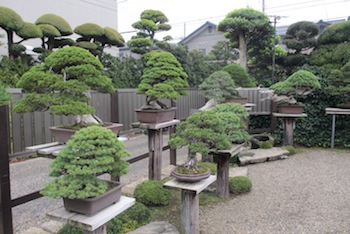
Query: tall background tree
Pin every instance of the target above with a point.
(12, 23)
(151, 23)
(242, 26)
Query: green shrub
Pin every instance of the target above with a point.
(266, 145)
(69, 229)
(210, 165)
(152, 193)
(240, 184)
(290, 148)
(131, 219)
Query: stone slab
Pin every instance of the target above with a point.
(263, 155)
(156, 228)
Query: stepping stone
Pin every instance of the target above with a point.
(262, 155)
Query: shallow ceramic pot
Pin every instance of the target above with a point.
(290, 109)
(190, 178)
(155, 116)
(91, 206)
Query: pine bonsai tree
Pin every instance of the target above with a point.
(339, 83)
(201, 132)
(163, 77)
(92, 151)
(62, 83)
(239, 75)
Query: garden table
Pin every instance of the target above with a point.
(288, 126)
(190, 202)
(95, 224)
(155, 145)
(223, 168)
(334, 112)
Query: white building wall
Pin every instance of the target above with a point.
(75, 12)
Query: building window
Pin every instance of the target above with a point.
(210, 29)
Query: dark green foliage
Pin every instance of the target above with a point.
(60, 82)
(331, 56)
(136, 216)
(300, 82)
(125, 73)
(56, 21)
(240, 184)
(218, 86)
(335, 34)
(29, 30)
(239, 75)
(12, 69)
(10, 20)
(151, 22)
(163, 77)
(266, 145)
(89, 30)
(301, 36)
(339, 81)
(152, 193)
(202, 132)
(212, 166)
(92, 151)
(223, 52)
(69, 229)
(234, 117)
(4, 96)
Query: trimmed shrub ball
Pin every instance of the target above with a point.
(152, 193)
(240, 184)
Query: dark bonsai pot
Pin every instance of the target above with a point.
(290, 109)
(155, 116)
(179, 174)
(91, 206)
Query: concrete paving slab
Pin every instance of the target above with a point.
(262, 155)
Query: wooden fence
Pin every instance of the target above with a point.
(32, 128)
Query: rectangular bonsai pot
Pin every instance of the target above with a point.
(290, 109)
(155, 116)
(91, 206)
(62, 135)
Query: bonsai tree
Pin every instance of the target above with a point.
(202, 132)
(235, 117)
(301, 83)
(240, 75)
(62, 83)
(163, 77)
(92, 151)
(218, 87)
(95, 38)
(339, 83)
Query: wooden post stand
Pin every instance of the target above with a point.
(95, 224)
(155, 146)
(288, 126)
(223, 167)
(190, 202)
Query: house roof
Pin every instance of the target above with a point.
(197, 32)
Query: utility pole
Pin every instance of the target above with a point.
(263, 6)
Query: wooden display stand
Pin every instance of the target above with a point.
(95, 224)
(223, 168)
(334, 112)
(155, 146)
(190, 202)
(288, 126)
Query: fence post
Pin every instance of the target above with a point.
(5, 193)
(114, 107)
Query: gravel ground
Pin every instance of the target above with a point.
(307, 193)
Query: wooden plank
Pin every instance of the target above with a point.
(196, 187)
(289, 115)
(231, 152)
(50, 150)
(35, 148)
(93, 222)
(338, 111)
(157, 125)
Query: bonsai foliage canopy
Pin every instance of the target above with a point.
(92, 151)
(62, 83)
(218, 86)
(239, 75)
(163, 77)
(4, 96)
(301, 83)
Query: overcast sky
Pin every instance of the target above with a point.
(185, 16)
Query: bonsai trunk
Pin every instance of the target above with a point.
(242, 51)
(87, 119)
(153, 104)
(208, 105)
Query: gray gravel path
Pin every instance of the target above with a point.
(308, 193)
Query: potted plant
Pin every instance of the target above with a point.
(217, 88)
(92, 151)
(300, 83)
(163, 78)
(62, 85)
(202, 132)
